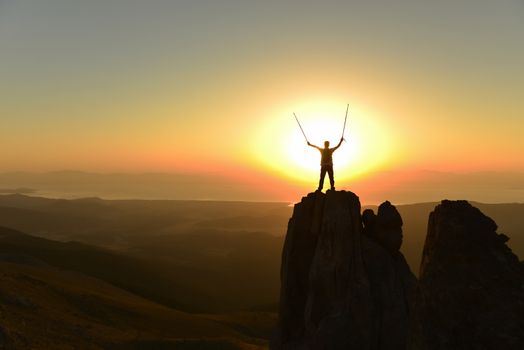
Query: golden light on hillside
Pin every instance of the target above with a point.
(281, 146)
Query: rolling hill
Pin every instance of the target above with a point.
(42, 307)
(230, 281)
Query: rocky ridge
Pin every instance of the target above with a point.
(471, 288)
(346, 285)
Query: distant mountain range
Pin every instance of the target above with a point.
(203, 186)
(397, 186)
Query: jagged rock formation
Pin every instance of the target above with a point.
(471, 285)
(5, 341)
(342, 289)
(385, 227)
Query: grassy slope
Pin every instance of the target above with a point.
(140, 277)
(209, 274)
(42, 307)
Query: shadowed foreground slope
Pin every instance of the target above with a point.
(46, 308)
(221, 283)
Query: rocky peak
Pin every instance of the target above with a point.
(345, 284)
(385, 227)
(340, 288)
(471, 285)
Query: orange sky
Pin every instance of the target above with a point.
(121, 86)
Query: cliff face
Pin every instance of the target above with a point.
(5, 341)
(471, 285)
(340, 287)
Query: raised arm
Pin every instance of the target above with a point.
(337, 146)
(312, 145)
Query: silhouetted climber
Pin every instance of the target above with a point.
(326, 163)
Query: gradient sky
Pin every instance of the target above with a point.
(202, 86)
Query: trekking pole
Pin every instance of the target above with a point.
(345, 119)
(300, 126)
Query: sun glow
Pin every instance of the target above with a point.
(281, 146)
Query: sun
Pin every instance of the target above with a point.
(317, 131)
(281, 146)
